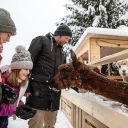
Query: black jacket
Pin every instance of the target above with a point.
(47, 55)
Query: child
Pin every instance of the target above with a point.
(20, 65)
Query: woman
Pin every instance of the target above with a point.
(20, 65)
(7, 28)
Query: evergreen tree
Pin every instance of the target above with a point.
(94, 13)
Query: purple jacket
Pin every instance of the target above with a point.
(8, 109)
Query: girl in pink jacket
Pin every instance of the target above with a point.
(21, 65)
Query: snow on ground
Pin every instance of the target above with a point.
(62, 122)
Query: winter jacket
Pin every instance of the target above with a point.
(8, 109)
(47, 55)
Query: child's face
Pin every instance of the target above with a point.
(23, 74)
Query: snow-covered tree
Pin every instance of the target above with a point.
(96, 13)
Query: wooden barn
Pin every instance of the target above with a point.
(99, 47)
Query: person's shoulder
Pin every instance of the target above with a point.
(4, 68)
(38, 37)
(41, 37)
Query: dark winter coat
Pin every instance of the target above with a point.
(47, 55)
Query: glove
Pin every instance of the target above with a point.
(25, 112)
(8, 94)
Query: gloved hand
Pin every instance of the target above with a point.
(8, 94)
(25, 112)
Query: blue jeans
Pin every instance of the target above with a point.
(3, 121)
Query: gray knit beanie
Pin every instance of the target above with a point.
(63, 30)
(6, 22)
(21, 59)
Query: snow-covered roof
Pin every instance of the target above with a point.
(93, 31)
(123, 27)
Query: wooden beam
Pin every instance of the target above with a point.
(111, 58)
(112, 43)
(83, 48)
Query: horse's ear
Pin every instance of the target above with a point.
(74, 58)
(73, 55)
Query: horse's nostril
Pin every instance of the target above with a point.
(123, 71)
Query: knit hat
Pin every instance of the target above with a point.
(6, 22)
(21, 59)
(63, 30)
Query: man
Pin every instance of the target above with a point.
(7, 28)
(47, 54)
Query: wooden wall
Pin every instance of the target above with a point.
(78, 117)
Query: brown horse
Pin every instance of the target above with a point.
(77, 74)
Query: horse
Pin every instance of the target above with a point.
(78, 74)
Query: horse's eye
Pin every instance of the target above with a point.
(64, 74)
(79, 77)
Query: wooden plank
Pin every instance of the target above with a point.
(83, 48)
(94, 50)
(80, 118)
(77, 117)
(67, 108)
(112, 43)
(107, 115)
(90, 122)
(74, 116)
(111, 58)
(115, 77)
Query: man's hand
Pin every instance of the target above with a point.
(27, 94)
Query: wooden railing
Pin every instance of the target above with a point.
(85, 111)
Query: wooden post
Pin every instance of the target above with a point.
(94, 50)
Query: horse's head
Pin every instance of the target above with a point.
(69, 74)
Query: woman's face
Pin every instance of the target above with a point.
(1, 48)
(4, 37)
(23, 74)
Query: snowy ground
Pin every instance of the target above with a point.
(62, 122)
